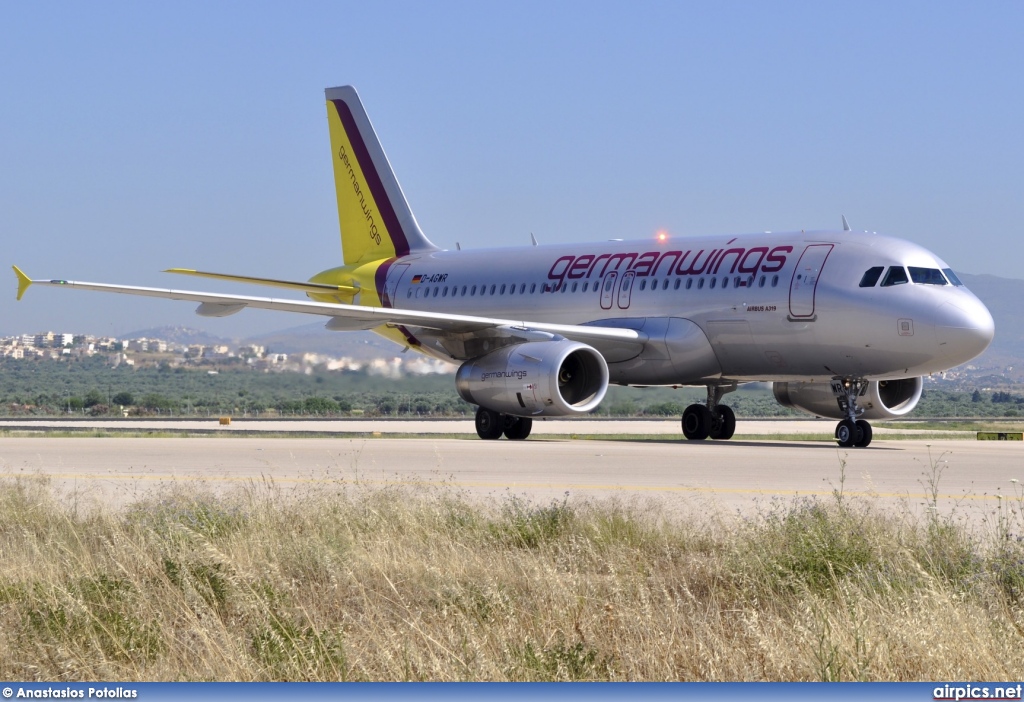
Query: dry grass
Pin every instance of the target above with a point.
(396, 584)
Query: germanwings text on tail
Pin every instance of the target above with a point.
(843, 324)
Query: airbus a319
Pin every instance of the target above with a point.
(843, 324)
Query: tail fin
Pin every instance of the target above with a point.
(376, 222)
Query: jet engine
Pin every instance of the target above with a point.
(536, 379)
(883, 399)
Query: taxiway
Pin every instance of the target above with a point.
(975, 477)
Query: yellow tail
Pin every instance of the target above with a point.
(375, 218)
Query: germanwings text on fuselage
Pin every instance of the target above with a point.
(648, 263)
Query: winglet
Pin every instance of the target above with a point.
(23, 281)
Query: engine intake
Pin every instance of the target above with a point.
(884, 399)
(536, 379)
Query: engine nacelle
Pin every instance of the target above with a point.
(536, 379)
(884, 399)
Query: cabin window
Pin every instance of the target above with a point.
(760, 283)
(533, 288)
(643, 284)
(522, 288)
(926, 276)
(951, 276)
(493, 288)
(444, 293)
(896, 275)
(675, 286)
(713, 283)
(775, 281)
(408, 293)
(725, 282)
(700, 284)
(436, 291)
(689, 283)
(871, 276)
(463, 290)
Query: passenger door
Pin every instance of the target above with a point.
(805, 281)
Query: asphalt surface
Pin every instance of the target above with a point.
(669, 427)
(976, 478)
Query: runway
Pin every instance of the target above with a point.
(976, 477)
(584, 426)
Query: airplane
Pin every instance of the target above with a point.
(843, 324)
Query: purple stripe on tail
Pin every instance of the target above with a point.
(373, 180)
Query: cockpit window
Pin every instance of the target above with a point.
(871, 276)
(927, 276)
(951, 276)
(896, 275)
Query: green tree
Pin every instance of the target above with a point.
(93, 397)
(320, 405)
(123, 398)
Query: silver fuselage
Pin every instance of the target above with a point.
(773, 307)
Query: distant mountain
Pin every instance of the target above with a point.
(178, 335)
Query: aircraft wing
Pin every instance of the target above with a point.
(352, 317)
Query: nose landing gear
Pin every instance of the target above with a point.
(711, 419)
(851, 431)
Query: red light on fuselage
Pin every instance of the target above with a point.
(662, 236)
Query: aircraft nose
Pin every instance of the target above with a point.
(964, 329)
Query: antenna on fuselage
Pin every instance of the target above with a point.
(846, 225)
(458, 246)
(533, 239)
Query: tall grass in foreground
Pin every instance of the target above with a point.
(400, 584)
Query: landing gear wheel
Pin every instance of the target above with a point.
(696, 422)
(865, 433)
(489, 424)
(723, 424)
(848, 433)
(517, 428)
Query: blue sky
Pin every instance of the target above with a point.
(141, 136)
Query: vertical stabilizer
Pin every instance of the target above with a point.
(376, 221)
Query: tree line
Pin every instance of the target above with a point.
(91, 387)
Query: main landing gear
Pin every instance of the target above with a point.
(491, 425)
(851, 431)
(711, 419)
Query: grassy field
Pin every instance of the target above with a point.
(402, 584)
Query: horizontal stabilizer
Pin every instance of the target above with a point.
(292, 285)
